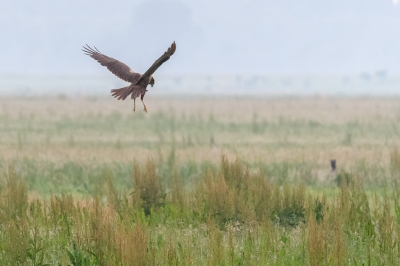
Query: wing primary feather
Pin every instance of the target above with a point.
(90, 49)
(86, 50)
(87, 47)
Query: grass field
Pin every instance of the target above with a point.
(199, 181)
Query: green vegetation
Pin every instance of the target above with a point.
(176, 188)
(228, 215)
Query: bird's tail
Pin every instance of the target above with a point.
(121, 93)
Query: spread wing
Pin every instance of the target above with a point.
(159, 62)
(116, 67)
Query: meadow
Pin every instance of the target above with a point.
(199, 181)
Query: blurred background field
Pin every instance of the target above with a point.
(292, 133)
(373, 83)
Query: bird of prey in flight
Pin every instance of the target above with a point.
(138, 81)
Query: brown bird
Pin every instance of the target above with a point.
(138, 81)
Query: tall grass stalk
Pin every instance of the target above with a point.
(229, 214)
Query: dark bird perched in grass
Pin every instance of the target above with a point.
(333, 165)
(138, 81)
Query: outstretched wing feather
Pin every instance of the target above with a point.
(116, 67)
(159, 62)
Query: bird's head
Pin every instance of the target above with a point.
(151, 81)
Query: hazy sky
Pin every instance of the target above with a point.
(222, 37)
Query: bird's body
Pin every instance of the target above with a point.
(139, 82)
